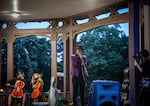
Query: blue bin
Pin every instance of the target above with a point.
(104, 93)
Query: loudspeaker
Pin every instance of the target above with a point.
(104, 93)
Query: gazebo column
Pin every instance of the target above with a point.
(71, 46)
(71, 51)
(134, 46)
(147, 25)
(66, 66)
(10, 57)
(53, 38)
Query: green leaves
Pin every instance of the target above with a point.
(106, 49)
(39, 54)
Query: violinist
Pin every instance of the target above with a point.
(142, 62)
(37, 86)
(17, 86)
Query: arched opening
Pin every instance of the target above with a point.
(106, 48)
(37, 60)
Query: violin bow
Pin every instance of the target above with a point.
(28, 59)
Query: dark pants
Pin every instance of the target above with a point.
(16, 101)
(78, 82)
(144, 96)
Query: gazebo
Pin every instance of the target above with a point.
(68, 12)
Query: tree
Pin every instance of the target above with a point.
(60, 55)
(4, 61)
(106, 49)
(39, 54)
(39, 49)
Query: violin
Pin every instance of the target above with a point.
(18, 89)
(36, 93)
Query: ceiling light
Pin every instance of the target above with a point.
(15, 15)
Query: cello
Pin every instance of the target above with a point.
(18, 92)
(37, 86)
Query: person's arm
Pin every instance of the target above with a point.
(11, 83)
(85, 60)
(138, 66)
(8, 84)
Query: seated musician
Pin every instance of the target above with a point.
(18, 88)
(37, 86)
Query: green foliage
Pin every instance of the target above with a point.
(4, 61)
(39, 55)
(60, 54)
(106, 49)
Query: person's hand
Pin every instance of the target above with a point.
(8, 84)
(81, 56)
(135, 63)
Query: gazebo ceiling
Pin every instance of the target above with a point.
(48, 9)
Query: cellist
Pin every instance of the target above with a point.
(37, 86)
(18, 88)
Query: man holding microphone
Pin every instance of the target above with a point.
(79, 74)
